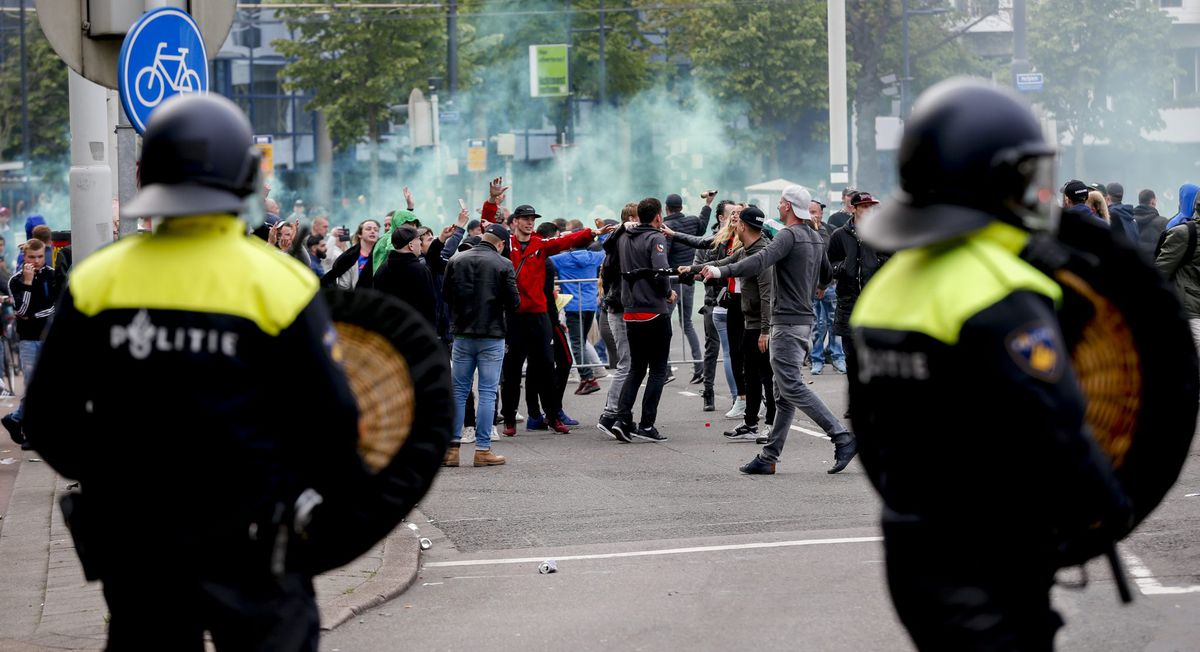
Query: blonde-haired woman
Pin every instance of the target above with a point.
(723, 301)
(1095, 201)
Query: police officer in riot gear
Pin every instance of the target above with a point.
(980, 495)
(167, 387)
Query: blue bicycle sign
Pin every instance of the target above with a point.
(163, 55)
(152, 81)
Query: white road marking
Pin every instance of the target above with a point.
(814, 433)
(692, 394)
(655, 553)
(1147, 583)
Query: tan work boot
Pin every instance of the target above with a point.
(451, 457)
(488, 458)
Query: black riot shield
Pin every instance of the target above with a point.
(400, 376)
(1133, 354)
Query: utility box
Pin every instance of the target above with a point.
(113, 18)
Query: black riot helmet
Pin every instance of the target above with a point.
(198, 157)
(972, 152)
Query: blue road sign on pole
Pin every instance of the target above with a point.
(163, 55)
(1030, 82)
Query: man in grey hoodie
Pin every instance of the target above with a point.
(647, 297)
(797, 255)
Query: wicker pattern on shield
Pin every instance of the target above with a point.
(382, 386)
(1106, 364)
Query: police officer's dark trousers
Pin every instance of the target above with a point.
(955, 592)
(152, 608)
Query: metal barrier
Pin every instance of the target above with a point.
(577, 284)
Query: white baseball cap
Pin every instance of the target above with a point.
(798, 197)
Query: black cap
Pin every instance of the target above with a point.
(863, 199)
(1115, 190)
(674, 201)
(818, 203)
(753, 216)
(402, 236)
(468, 242)
(1076, 190)
(498, 231)
(524, 210)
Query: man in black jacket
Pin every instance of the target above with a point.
(1120, 214)
(757, 293)
(684, 286)
(646, 296)
(405, 277)
(34, 290)
(480, 289)
(854, 263)
(1150, 223)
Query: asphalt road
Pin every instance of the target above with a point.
(782, 562)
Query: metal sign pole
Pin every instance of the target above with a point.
(90, 177)
(126, 168)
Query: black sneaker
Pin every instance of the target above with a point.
(762, 440)
(710, 401)
(606, 425)
(14, 429)
(743, 432)
(621, 431)
(649, 433)
(845, 447)
(757, 467)
(670, 379)
(697, 378)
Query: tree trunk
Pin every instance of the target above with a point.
(373, 143)
(867, 21)
(1079, 153)
(324, 189)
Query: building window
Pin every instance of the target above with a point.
(1188, 61)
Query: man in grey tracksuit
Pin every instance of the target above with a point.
(798, 260)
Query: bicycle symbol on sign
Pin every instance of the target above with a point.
(152, 81)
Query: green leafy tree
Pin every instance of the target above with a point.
(359, 62)
(497, 65)
(1090, 62)
(764, 61)
(49, 113)
(874, 40)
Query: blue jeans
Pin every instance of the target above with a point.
(469, 354)
(823, 326)
(721, 321)
(29, 350)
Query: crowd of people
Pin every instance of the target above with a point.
(525, 303)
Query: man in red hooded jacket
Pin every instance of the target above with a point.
(529, 334)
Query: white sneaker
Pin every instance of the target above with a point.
(468, 435)
(738, 411)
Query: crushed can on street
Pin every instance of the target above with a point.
(548, 566)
